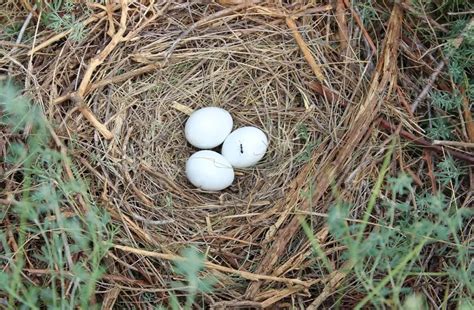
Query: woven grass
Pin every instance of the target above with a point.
(325, 142)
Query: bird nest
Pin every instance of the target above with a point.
(120, 96)
(121, 107)
(246, 60)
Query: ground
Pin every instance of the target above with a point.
(363, 199)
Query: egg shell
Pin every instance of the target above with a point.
(245, 146)
(208, 127)
(209, 171)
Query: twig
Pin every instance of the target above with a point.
(64, 34)
(335, 98)
(359, 23)
(304, 48)
(244, 304)
(30, 60)
(282, 294)
(107, 134)
(151, 222)
(110, 19)
(429, 162)
(335, 279)
(109, 277)
(244, 274)
(122, 77)
(62, 99)
(85, 87)
(425, 143)
(313, 10)
(78, 96)
(427, 87)
(22, 32)
(182, 108)
(403, 100)
(461, 13)
(99, 59)
(468, 120)
(328, 93)
(454, 143)
(27, 5)
(342, 23)
(25, 24)
(13, 44)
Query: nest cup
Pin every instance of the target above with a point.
(247, 65)
(259, 78)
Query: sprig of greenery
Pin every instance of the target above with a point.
(440, 130)
(190, 268)
(60, 16)
(460, 57)
(386, 254)
(449, 171)
(45, 193)
(309, 145)
(446, 101)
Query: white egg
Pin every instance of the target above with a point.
(208, 127)
(209, 171)
(245, 146)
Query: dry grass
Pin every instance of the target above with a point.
(127, 140)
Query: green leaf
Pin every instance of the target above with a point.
(415, 302)
(441, 232)
(337, 220)
(401, 184)
(207, 284)
(440, 130)
(466, 304)
(402, 206)
(449, 171)
(17, 153)
(446, 101)
(193, 263)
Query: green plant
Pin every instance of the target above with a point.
(390, 251)
(61, 16)
(445, 100)
(449, 171)
(190, 268)
(309, 145)
(440, 129)
(63, 251)
(11, 31)
(457, 51)
(460, 55)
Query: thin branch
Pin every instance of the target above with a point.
(64, 34)
(427, 87)
(305, 49)
(453, 143)
(359, 23)
(342, 25)
(244, 274)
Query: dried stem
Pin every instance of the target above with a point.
(305, 49)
